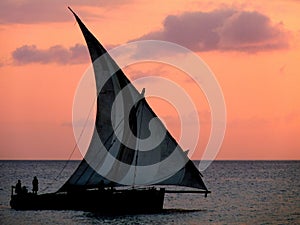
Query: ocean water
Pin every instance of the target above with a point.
(243, 192)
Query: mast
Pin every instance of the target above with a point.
(139, 114)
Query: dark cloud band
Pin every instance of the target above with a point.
(223, 30)
(55, 54)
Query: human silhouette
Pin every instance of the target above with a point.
(18, 189)
(24, 190)
(35, 185)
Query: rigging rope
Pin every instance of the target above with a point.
(74, 148)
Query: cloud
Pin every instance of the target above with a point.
(26, 54)
(225, 30)
(36, 11)
(254, 122)
(33, 11)
(155, 70)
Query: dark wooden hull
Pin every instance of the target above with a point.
(102, 201)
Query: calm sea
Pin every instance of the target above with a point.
(243, 192)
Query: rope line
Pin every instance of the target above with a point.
(74, 148)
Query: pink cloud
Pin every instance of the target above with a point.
(36, 11)
(55, 54)
(224, 30)
(251, 31)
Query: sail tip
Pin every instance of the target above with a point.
(143, 92)
(71, 10)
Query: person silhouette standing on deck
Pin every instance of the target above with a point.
(35, 185)
(18, 189)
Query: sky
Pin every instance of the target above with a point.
(252, 47)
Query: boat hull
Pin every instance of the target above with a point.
(102, 201)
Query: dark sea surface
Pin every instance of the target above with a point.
(243, 192)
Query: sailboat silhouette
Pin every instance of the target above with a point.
(121, 172)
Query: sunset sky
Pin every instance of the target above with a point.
(253, 48)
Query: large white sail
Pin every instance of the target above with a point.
(120, 152)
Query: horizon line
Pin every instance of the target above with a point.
(190, 159)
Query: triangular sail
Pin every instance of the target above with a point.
(188, 175)
(133, 163)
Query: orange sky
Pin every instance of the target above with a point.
(252, 48)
